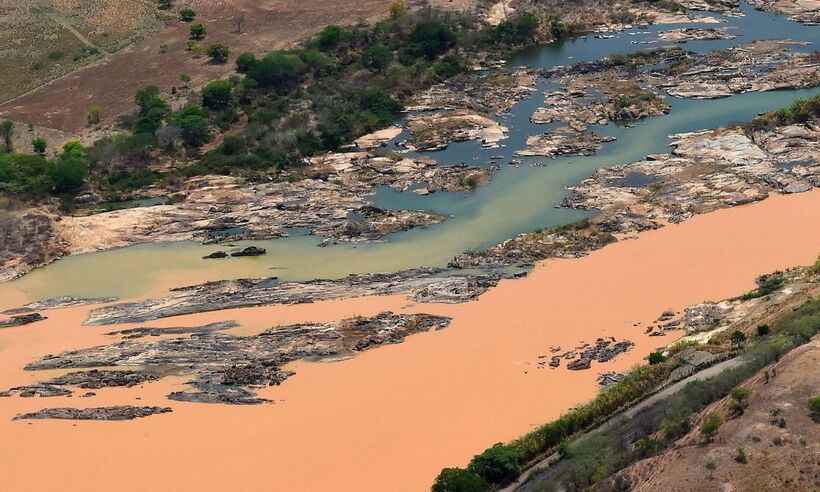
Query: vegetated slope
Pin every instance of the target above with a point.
(160, 59)
(772, 446)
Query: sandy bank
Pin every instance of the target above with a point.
(390, 418)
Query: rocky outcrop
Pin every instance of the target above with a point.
(694, 34)
(563, 141)
(21, 319)
(125, 412)
(423, 285)
(805, 11)
(434, 131)
(58, 302)
(28, 239)
(149, 331)
(226, 368)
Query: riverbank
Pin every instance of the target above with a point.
(337, 429)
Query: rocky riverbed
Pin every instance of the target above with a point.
(224, 368)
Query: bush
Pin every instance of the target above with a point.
(187, 14)
(710, 426)
(38, 145)
(738, 338)
(741, 457)
(377, 57)
(656, 358)
(814, 408)
(192, 122)
(165, 4)
(762, 330)
(459, 480)
(499, 464)
(198, 32)
(431, 38)
(94, 115)
(278, 70)
(216, 96)
(520, 30)
(7, 132)
(245, 62)
(219, 53)
(70, 168)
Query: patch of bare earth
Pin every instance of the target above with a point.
(160, 59)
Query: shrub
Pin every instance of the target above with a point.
(216, 96)
(245, 62)
(498, 464)
(330, 37)
(656, 358)
(165, 4)
(94, 115)
(710, 426)
(70, 168)
(198, 32)
(39, 145)
(377, 57)
(187, 14)
(814, 408)
(277, 70)
(762, 330)
(431, 38)
(192, 122)
(738, 338)
(219, 53)
(459, 480)
(7, 132)
(741, 457)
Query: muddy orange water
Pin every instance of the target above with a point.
(391, 418)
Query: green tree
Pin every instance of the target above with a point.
(187, 14)
(39, 146)
(762, 330)
(377, 57)
(499, 464)
(152, 110)
(7, 132)
(431, 38)
(216, 96)
(277, 70)
(198, 32)
(459, 480)
(219, 53)
(165, 4)
(70, 168)
(193, 124)
(245, 62)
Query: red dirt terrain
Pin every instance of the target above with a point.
(163, 57)
(780, 441)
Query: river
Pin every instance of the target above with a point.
(518, 199)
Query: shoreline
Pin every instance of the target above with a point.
(469, 376)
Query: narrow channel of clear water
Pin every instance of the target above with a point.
(519, 199)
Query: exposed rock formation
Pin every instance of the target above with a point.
(226, 368)
(423, 285)
(99, 413)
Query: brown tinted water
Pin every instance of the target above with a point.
(391, 418)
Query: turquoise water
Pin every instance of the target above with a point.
(517, 200)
